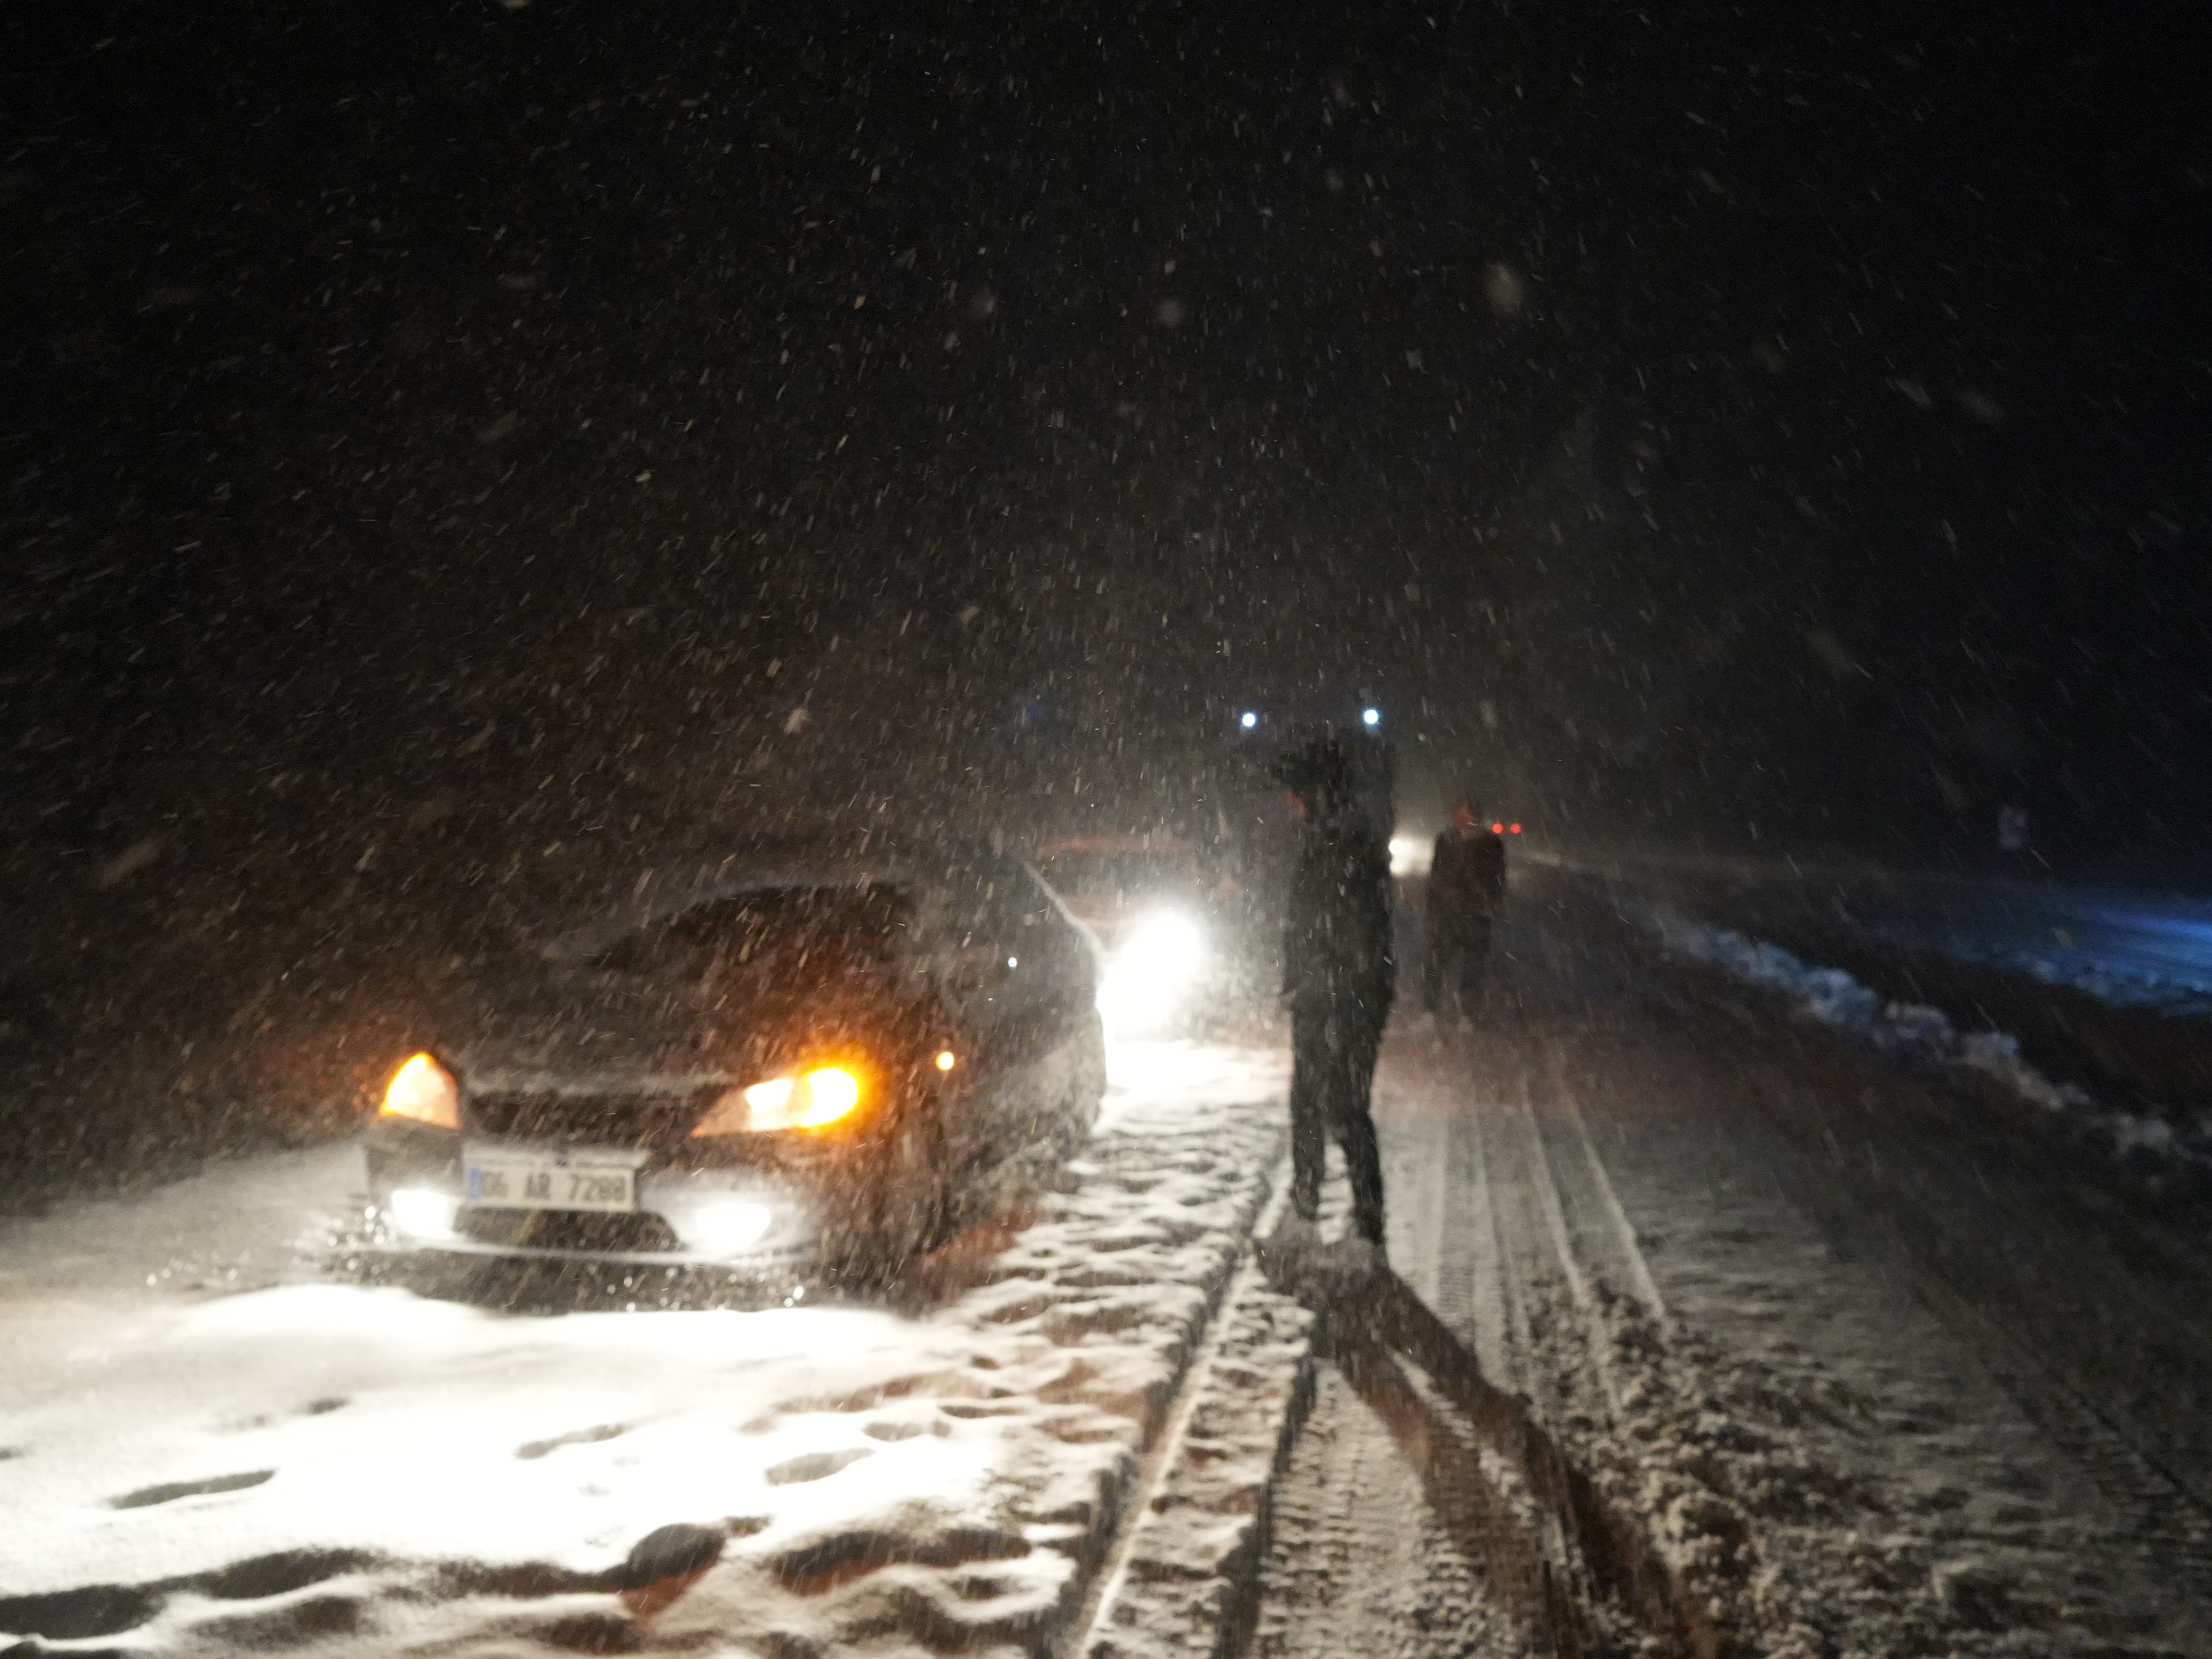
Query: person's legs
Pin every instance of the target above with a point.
(1473, 961)
(1311, 1068)
(1437, 965)
(1352, 1100)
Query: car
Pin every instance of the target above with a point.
(1113, 884)
(1146, 900)
(806, 1055)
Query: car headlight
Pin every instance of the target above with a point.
(727, 1228)
(1168, 944)
(424, 1091)
(421, 1213)
(799, 1100)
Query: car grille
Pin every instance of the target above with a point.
(637, 1231)
(589, 1120)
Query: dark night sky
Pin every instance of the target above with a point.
(1788, 417)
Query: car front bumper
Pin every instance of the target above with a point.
(728, 1216)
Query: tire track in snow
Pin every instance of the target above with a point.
(1357, 1564)
(1481, 1537)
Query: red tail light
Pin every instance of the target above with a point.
(1497, 829)
(1517, 829)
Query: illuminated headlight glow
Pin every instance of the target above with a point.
(421, 1212)
(726, 1228)
(424, 1091)
(1151, 969)
(1411, 855)
(802, 1100)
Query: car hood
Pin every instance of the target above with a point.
(586, 1032)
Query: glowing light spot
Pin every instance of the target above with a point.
(1151, 972)
(424, 1091)
(421, 1213)
(946, 1060)
(831, 1092)
(1410, 855)
(808, 1102)
(771, 1099)
(724, 1229)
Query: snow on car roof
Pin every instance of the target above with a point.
(856, 859)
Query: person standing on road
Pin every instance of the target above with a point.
(1467, 890)
(1338, 980)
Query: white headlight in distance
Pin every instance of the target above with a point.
(1410, 855)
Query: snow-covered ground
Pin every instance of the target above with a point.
(1718, 1330)
(208, 1447)
(1917, 1032)
(2129, 948)
(1742, 1342)
(2125, 947)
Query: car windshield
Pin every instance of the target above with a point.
(806, 933)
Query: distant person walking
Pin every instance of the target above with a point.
(1467, 890)
(1338, 979)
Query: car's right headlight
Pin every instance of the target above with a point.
(811, 1099)
(425, 1091)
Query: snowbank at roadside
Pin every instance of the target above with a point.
(316, 1463)
(2122, 973)
(1917, 1032)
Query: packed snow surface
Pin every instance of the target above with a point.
(2128, 948)
(1914, 1031)
(313, 1461)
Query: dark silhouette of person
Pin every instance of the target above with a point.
(1338, 979)
(1467, 890)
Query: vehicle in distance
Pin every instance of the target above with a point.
(1146, 900)
(807, 1054)
(1410, 852)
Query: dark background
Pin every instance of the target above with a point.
(450, 449)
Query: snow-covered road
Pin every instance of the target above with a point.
(1714, 1330)
(211, 1446)
(1852, 1361)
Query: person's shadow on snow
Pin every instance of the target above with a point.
(1540, 1557)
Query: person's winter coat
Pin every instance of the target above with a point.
(1336, 931)
(1466, 878)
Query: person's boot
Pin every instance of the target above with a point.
(1297, 1233)
(1362, 1257)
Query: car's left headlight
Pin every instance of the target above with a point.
(424, 1092)
(809, 1099)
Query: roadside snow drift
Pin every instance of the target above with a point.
(1917, 1032)
(319, 1463)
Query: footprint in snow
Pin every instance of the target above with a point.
(814, 1465)
(146, 1496)
(893, 1430)
(574, 1438)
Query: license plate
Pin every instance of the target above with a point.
(578, 1178)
